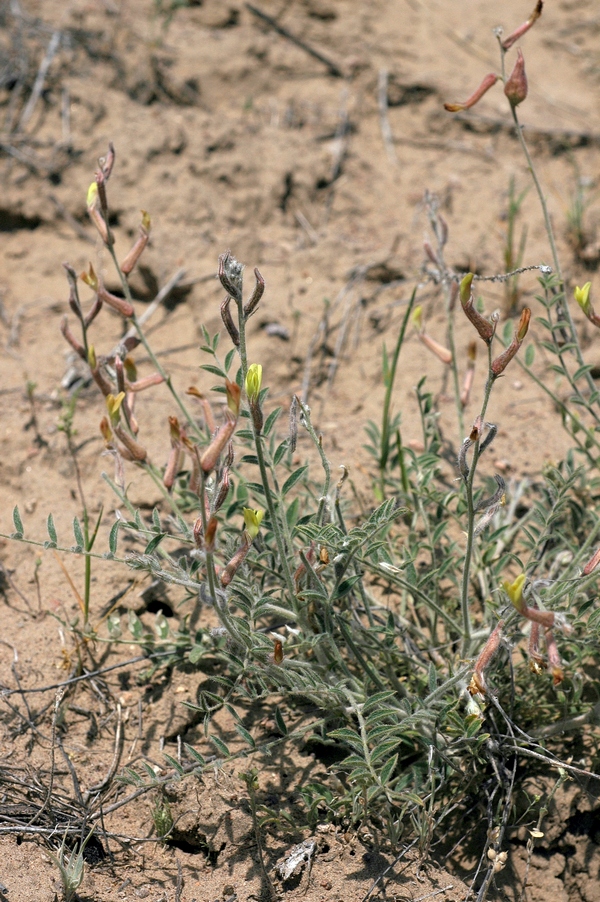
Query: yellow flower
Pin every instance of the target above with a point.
(90, 278)
(515, 591)
(417, 317)
(582, 296)
(92, 195)
(253, 382)
(465, 288)
(252, 521)
(113, 405)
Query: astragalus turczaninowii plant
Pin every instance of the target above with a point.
(398, 642)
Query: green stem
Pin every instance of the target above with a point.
(210, 558)
(157, 480)
(284, 552)
(87, 579)
(389, 386)
(551, 239)
(455, 381)
(324, 462)
(466, 613)
(155, 361)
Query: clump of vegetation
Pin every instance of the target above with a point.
(431, 643)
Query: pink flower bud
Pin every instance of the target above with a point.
(120, 305)
(592, 564)
(209, 459)
(137, 451)
(236, 561)
(488, 82)
(515, 87)
(518, 32)
(141, 242)
(173, 466)
(436, 348)
(477, 686)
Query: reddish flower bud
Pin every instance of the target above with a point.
(544, 618)
(145, 382)
(484, 326)
(209, 459)
(477, 686)
(515, 87)
(234, 564)
(516, 34)
(436, 348)
(137, 451)
(173, 466)
(488, 82)
(141, 242)
(501, 362)
(120, 305)
(211, 532)
(592, 564)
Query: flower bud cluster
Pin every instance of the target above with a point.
(515, 86)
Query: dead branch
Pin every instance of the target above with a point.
(333, 68)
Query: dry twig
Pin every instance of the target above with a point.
(333, 68)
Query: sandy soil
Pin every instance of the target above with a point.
(232, 136)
